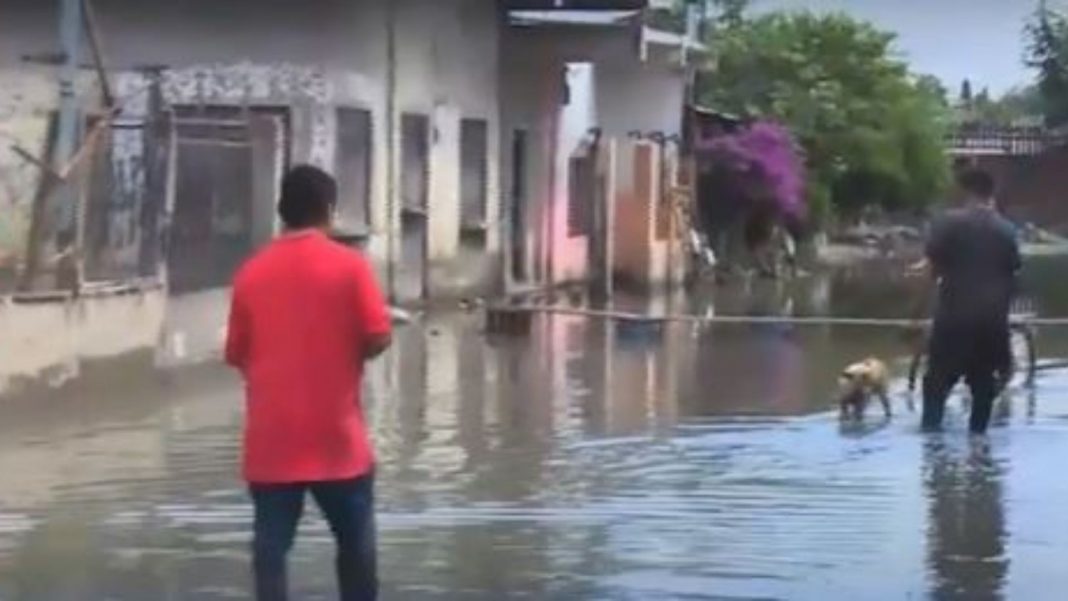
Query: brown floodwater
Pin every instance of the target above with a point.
(585, 461)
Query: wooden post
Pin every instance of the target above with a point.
(392, 219)
(69, 128)
(39, 212)
(157, 135)
(93, 34)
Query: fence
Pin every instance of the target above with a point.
(127, 201)
(120, 182)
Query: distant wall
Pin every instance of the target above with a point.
(1033, 188)
(640, 97)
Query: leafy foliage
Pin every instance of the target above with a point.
(1018, 107)
(1047, 54)
(872, 132)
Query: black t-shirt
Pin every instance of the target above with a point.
(975, 256)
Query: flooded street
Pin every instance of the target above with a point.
(586, 461)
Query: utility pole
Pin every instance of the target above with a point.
(69, 124)
(54, 212)
(391, 143)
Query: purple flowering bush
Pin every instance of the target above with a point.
(764, 165)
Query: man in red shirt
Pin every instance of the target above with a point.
(306, 315)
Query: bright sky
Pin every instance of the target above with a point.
(981, 40)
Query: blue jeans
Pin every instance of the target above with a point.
(348, 507)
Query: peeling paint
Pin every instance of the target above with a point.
(25, 102)
(27, 99)
(248, 83)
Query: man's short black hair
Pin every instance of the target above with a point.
(308, 197)
(977, 183)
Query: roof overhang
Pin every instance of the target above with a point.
(592, 5)
(587, 18)
(677, 46)
(653, 45)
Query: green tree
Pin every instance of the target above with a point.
(730, 13)
(966, 95)
(1019, 106)
(1047, 54)
(872, 132)
(1022, 104)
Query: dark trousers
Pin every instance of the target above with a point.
(978, 353)
(348, 507)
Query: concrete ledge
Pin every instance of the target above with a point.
(47, 337)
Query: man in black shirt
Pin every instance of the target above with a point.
(974, 256)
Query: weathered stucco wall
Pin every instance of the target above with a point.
(50, 340)
(26, 99)
(312, 61)
(530, 99)
(309, 59)
(647, 254)
(448, 69)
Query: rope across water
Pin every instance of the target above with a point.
(751, 319)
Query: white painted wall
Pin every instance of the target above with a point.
(23, 122)
(640, 96)
(448, 69)
(444, 204)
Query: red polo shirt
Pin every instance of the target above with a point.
(302, 311)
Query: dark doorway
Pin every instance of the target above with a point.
(517, 205)
(353, 168)
(474, 180)
(414, 189)
(228, 165)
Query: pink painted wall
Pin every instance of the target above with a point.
(570, 254)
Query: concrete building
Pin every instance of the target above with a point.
(608, 91)
(397, 97)
(443, 120)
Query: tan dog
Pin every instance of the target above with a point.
(861, 381)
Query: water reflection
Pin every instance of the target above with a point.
(967, 540)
